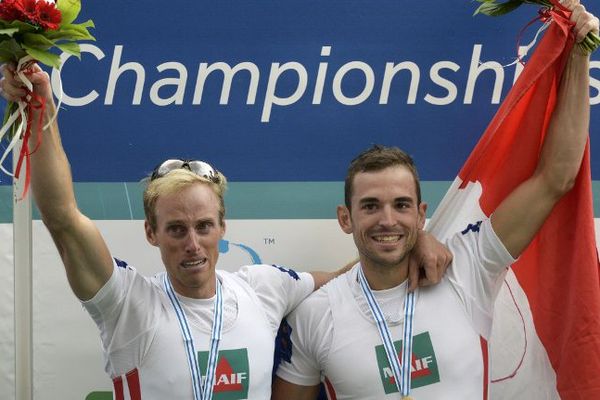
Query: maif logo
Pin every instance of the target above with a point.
(424, 368)
(232, 376)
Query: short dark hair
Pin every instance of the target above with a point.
(377, 158)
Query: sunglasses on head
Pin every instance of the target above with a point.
(200, 168)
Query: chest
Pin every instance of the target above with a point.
(448, 355)
(244, 363)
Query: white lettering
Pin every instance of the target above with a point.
(228, 74)
(115, 72)
(223, 380)
(387, 372)
(285, 92)
(320, 82)
(434, 73)
(426, 361)
(56, 81)
(241, 376)
(271, 98)
(179, 83)
(390, 72)
(477, 67)
(366, 92)
(595, 83)
(518, 65)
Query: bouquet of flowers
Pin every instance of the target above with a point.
(29, 31)
(494, 9)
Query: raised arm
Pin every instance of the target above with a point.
(518, 218)
(84, 253)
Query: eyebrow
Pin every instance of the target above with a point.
(407, 199)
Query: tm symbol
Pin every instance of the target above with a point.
(269, 240)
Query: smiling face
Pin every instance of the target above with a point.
(187, 232)
(384, 217)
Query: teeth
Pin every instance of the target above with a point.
(195, 263)
(390, 238)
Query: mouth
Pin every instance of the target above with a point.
(190, 264)
(387, 238)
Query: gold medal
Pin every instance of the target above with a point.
(407, 398)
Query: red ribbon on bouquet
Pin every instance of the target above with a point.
(34, 102)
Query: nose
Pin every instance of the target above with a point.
(192, 242)
(387, 216)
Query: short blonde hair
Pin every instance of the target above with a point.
(174, 182)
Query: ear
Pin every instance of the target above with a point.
(343, 215)
(422, 215)
(223, 229)
(150, 236)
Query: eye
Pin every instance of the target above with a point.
(176, 230)
(369, 206)
(205, 226)
(402, 205)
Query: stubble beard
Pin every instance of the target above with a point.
(384, 264)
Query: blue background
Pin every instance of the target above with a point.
(302, 142)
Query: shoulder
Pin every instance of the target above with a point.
(479, 241)
(320, 301)
(258, 275)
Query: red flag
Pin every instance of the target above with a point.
(546, 337)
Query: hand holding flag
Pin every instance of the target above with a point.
(547, 315)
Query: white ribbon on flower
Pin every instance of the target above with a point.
(22, 66)
(18, 133)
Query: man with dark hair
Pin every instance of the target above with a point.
(174, 335)
(352, 332)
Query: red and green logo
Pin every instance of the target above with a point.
(424, 369)
(232, 376)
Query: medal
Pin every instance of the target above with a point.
(401, 372)
(201, 391)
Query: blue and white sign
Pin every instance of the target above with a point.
(289, 90)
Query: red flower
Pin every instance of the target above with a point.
(47, 15)
(28, 9)
(9, 10)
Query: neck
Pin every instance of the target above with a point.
(384, 277)
(206, 291)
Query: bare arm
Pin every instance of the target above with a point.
(322, 277)
(84, 253)
(284, 390)
(518, 218)
(428, 261)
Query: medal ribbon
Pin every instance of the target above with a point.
(401, 372)
(201, 392)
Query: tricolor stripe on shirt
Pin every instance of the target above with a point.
(131, 391)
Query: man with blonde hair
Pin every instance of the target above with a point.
(188, 330)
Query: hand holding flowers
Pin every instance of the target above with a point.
(588, 43)
(29, 31)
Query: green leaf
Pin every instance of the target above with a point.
(7, 57)
(22, 26)
(72, 32)
(9, 31)
(10, 50)
(71, 48)
(44, 56)
(69, 10)
(496, 9)
(37, 40)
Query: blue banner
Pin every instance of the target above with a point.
(288, 90)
